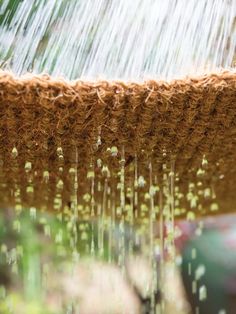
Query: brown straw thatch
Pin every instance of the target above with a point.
(185, 119)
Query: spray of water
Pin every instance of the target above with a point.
(128, 39)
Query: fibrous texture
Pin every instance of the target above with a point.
(52, 131)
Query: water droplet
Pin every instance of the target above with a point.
(99, 141)
(47, 230)
(200, 272)
(105, 171)
(60, 184)
(28, 166)
(202, 293)
(14, 152)
(46, 176)
(29, 189)
(33, 212)
(99, 163)
(90, 174)
(59, 151)
(204, 162)
(114, 151)
(17, 226)
(207, 193)
(214, 207)
(191, 216)
(141, 181)
(200, 172)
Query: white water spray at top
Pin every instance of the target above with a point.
(126, 39)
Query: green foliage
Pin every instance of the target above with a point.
(8, 11)
(14, 303)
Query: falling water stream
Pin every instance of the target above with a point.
(117, 217)
(128, 39)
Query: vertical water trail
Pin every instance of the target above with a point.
(161, 245)
(172, 207)
(152, 220)
(92, 212)
(74, 216)
(122, 212)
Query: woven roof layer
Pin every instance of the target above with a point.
(184, 119)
